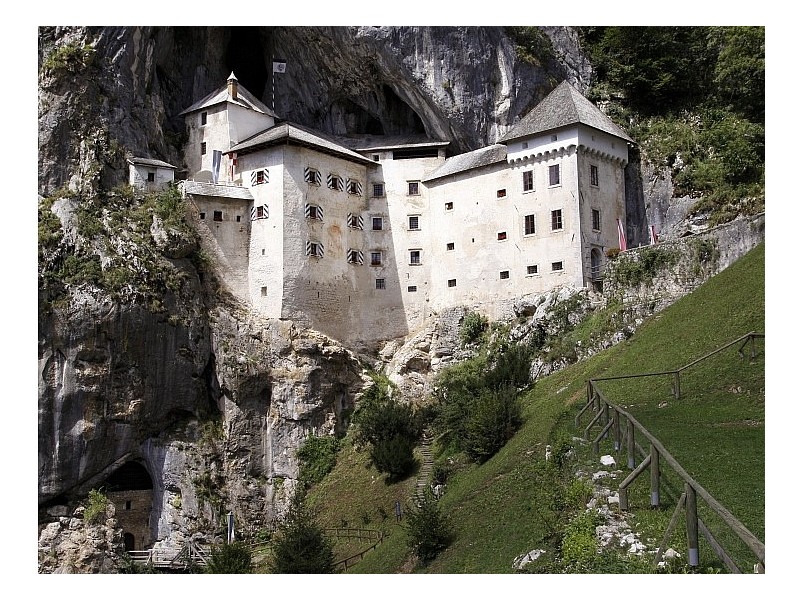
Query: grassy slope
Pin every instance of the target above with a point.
(490, 504)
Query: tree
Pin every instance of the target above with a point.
(230, 558)
(300, 545)
(429, 529)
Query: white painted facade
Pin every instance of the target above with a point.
(150, 175)
(400, 242)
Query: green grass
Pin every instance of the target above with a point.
(717, 434)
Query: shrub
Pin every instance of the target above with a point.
(494, 417)
(317, 458)
(96, 506)
(429, 530)
(472, 327)
(579, 545)
(230, 558)
(72, 57)
(299, 545)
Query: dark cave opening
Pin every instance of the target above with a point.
(130, 476)
(244, 56)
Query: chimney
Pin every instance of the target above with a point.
(233, 86)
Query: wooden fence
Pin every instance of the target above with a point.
(374, 535)
(610, 418)
(166, 558)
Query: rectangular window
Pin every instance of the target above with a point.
(261, 212)
(151, 177)
(376, 157)
(593, 176)
(451, 245)
(448, 206)
(264, 291)
(202, 216)
(314, 212)
(355, 257)
(558, 266)
(413, 188)
(354, 187)
(555, 174)
(501, 235)
(259, 177)
(414, 257)
(380, 284)
(533, 269)
(501, 193)
(413, 223)
(335, 183)
(451, 283)
(377, 223)
(555, 220)
(314, 249)
(412, 288)
(202, 148)
(595, 219)
(530, 225)
(375, 259)
(553, 138)
(312, 176)
(527, 181)
(355, 221)
(504, 275)
(238, 218)
(218, 215)
(377, 190)
(203, 118)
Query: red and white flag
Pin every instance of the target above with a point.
(623, 245)
(653, 235)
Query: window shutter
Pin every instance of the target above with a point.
(320, 213)
(308, 248)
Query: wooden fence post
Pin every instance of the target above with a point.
(691, 526)
(631, 445)
(617, 433)
(654, 477)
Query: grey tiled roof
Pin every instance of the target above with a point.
(151, 162)
(200, 188)
(564, 106)
(289, 132)
(365, 143)
(244, 98)
(470, 160)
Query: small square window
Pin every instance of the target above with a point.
(355, 221)
(202, 148)
(202, 216)
(504, 274)
(451, 245)
(376, 157)
(312, 176)
(260, 177)
(238, 218)
(553, 138)
(414, 257)
(218, 215)
(413, 188)
(354, 187)
(375, 259)
(595, 219)
(151, 177)
(451, 283)
(527, 181)
(530, 224)
(203, 118)
(448, 206)
(128, 505)
(377, 190)
(555, 174)
(593, 175)
(558, 266)
(413, 223)
(501, 193)
(501, 236)
(380, 284)
(314, 249)
(377, 223)
(313, 212)
(261, 212)
(533, 269)
(264, 291)
(524, 145)
(335, 183)
(355, 257)
(412, 288)
(555, 220)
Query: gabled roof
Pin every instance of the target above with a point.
(368, 142)
(200, 188)
(482, 157)
(286, 133)
(564, 106)
(243, 98)
(151, 162)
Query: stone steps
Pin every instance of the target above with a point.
(423, 476)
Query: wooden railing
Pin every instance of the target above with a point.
(611, 416)
(165, 558)
(374, 535)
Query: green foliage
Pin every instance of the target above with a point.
(494, 416)
(429, 530)
(317, 458)
(532, 45)
(230, 558)
(71, 58)
(579, 544)
(740, 58)
(299, 545)
(634, 269)
(96, 507)
(389, 427)
(472, 327)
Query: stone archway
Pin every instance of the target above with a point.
(596, 270)
(130, 541)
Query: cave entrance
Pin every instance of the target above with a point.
(130, 488)
(244, 56)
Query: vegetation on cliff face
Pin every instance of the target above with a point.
(693, 98)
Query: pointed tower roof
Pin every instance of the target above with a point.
(222, 94)
(564, 106)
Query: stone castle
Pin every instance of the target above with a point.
(365, 238)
